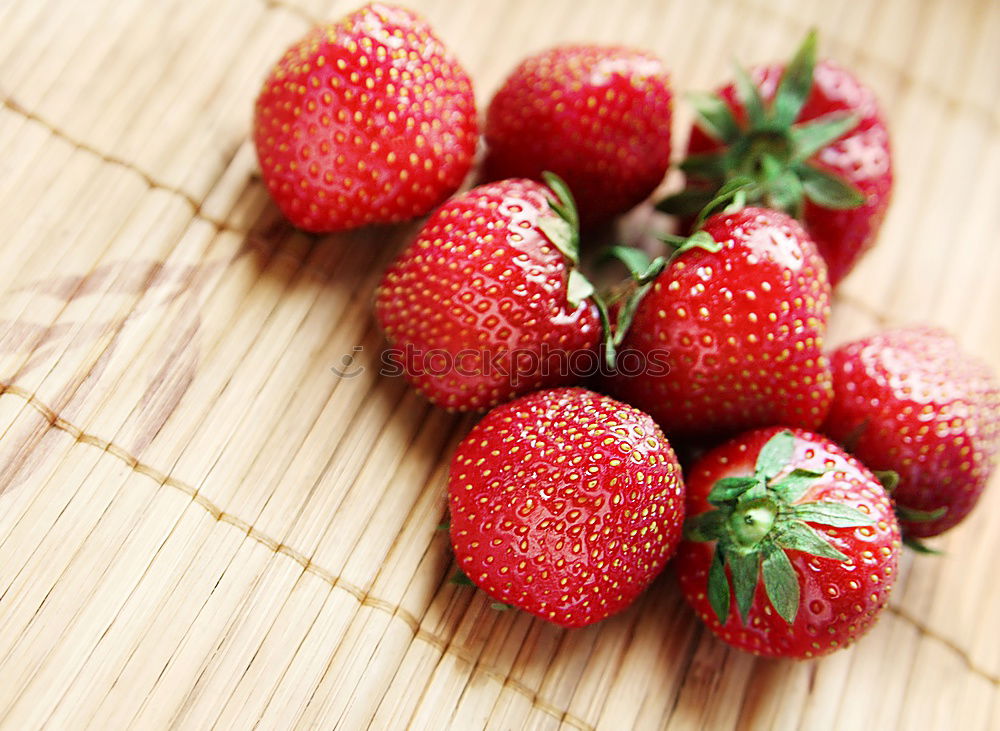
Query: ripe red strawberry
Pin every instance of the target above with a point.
(812, 138)
(791, 544)
(367, 120)
(566, 504)
(486, 303)
(598, 116)
(911, 401)
(740, 329)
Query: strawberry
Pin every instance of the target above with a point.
(486, 303)
(367, 120)
(911, 401)
(791, 546)
(740, 321)
(598, 116)
(811, 139)
(566, 504)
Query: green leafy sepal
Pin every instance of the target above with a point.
(768, 147)
(644, 272)
(756, 519)
(562, 228)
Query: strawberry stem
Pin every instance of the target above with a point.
(749, 523)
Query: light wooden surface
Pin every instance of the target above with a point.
(200, 523)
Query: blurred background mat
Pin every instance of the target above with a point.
(202, 525)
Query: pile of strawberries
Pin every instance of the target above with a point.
(805, 470)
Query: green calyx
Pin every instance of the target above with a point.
(756, 520)
(459, 578)
(918, 546)
(769, 152)
(562, 228)
(890, 481)
(912, 515)
(644, 272)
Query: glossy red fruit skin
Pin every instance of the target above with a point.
(862, 157)
(741, 331)
(597, 116)
(366, 120)
(483, 280)
(839, 601)
(566, 504)
(932, 415)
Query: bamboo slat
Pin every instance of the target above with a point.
(202, 525)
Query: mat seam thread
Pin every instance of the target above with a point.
(864, 308)
(923, 629)
(148, 178)
(294, 9)
(275, 546)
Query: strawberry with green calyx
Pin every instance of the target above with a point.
(790, 546)
(644, 270)
(738, 312)
(487, 303)
(812, 142)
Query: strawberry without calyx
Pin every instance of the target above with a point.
(597, 116)
(367, 120)
(566, 504)
(812, 139)
(790, 546)
(909, 400)
(741, 328)
(486, 303)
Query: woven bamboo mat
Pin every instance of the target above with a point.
(201, 524)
